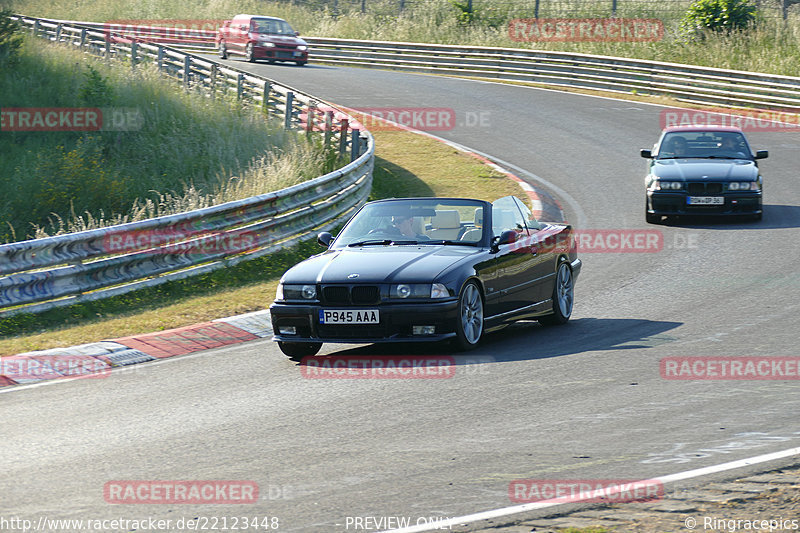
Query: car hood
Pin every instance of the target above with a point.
(379, 264)
(286, 40)
(698, 169)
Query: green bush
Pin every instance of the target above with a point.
(718, 16)
(10, 40)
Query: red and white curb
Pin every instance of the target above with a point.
(95, 358)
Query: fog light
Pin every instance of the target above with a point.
(287, 330)
(423, 330)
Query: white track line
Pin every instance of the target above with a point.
(544, 504)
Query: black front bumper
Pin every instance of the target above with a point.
(396, 321)
(676, 203)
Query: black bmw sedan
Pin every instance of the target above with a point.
(703, 170)
(427, 269)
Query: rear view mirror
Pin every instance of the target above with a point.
(507, 237)
(325, 239)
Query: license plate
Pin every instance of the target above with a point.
(346, 316)
(705, 200)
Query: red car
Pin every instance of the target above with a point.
(256, 37)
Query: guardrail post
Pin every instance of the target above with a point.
(265, 98)
(328, 127)
(187, 70)
(310, 118)
(160, 58)
(239, 86)
(35, 28)
(343, 127)
(134, 51)
(83, 38)
(287, 119)
(355, 144)
(107, 49)
(58, 32)
(213, 80)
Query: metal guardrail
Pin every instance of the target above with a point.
(44, 273)
(687, 83)
(694, 84)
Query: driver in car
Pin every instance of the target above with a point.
(677, 146)
(405, 225)
(731, 144)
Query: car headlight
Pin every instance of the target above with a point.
(296, 292)
(668, 185)
(302, 48)
(743, 186)
(410, 290)
(418, 290)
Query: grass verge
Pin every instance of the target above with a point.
(403, 168)
(183, 151)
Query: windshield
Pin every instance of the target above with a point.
(704, 144)
(272, 27)
(415, 221)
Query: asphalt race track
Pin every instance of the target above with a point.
(579, 402)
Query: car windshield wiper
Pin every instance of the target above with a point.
(372, 242)
(724, 157)
(448, 242)
(380, 242)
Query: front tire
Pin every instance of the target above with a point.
(469, 325)
(651, 218)
(563, 297)
(248, 53)
(298, 350)
(223, 52)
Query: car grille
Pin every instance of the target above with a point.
(703, 187)
(357, 294)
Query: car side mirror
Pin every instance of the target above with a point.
(297, 34)
(762, 154)
(646, 153)
(325, 239)
(507, 237)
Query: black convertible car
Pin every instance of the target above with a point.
(702, 171)
(427, 269)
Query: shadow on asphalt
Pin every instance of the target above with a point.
(529, 340)
(775, 217)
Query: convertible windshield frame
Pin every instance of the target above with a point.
(416, 221)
